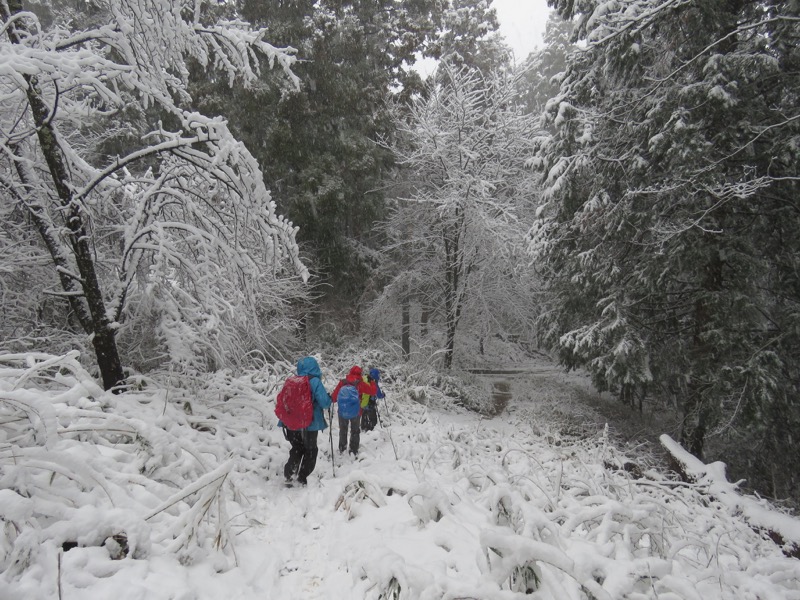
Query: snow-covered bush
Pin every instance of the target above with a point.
(142, 495)
(136, 475)
(425, 384)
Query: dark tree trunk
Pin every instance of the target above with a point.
(100, 327)
(43, 225)
(450, 307)
(424, 317)
(449, 345)
(406, 327)
(697, 413)
(455, 278)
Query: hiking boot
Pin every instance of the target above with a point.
(302, 481)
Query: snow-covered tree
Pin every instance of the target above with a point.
(316, 144)
(175, 239)
(543, 69)
(462, 146)
(469, 36)
(670, 239)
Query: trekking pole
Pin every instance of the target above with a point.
(330, 433)
(385, 404)
(389, 431)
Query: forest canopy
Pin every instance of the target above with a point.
(195, 186)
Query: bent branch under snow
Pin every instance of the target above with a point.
(782, 528)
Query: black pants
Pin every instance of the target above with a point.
(355, 433)
(303, 454)
(369, 416)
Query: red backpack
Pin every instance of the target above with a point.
(294, 406)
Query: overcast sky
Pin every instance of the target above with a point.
(522, 23)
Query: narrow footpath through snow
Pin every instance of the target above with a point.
(476, 507)
(172, 492)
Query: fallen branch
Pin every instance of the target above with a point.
(783, 529)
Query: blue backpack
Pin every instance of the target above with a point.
(349, 401)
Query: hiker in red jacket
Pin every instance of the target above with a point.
(348, 396)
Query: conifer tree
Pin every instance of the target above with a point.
(316, 144)
(670, 238)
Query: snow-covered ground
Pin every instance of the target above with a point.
(175, 492)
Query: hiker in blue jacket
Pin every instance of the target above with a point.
(303, 454)
(348, 394)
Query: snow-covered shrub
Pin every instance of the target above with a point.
(140, 496)
(358, 491)
(137, 474)
(429, 386)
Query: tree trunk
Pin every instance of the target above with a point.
(449, 345)
(406, 327)
(424, 317)
(452, 273)
(697, 413)
(450, 302)
(100, 328)
(49, 235)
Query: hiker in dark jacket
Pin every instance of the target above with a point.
(303, 454)
(350, 414)
(369, 404)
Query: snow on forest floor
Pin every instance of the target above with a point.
(177, 493)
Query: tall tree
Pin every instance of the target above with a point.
(542, 69)
(670, 240)
(316, 144)
(464, 144)
(469, 36)
(183, 215)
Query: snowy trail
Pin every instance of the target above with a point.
(313, 542)
(537, 500)
(479, 508)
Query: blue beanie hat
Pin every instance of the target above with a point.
(375, 374)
